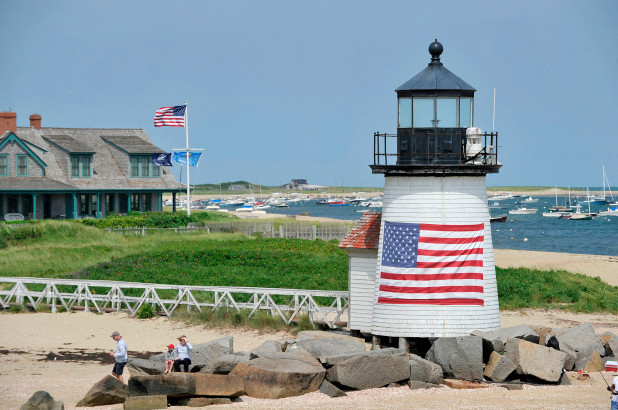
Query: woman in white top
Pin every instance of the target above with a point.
(184, 354)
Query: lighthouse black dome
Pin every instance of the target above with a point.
(435, 76)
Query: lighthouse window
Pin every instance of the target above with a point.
(423, 113)
(405, 113)
(465, 112)
(446, 112)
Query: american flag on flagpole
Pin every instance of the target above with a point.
(170, 116)
(431, 264)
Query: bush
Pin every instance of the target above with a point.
(17, 308)
(154, 219)
(146, 311)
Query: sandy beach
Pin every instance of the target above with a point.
(66, 353)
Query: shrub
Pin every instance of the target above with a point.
(17, 308)
(145, 311)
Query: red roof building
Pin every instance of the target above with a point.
(366, 232)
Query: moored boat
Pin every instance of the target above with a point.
(522, 210)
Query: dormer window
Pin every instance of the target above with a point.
(22, 165)
(141, 166)
(81, 166)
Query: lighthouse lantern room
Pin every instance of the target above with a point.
(435, 273)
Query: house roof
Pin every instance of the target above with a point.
(110, 162)
(365, 234)
(132, 144)
(69, 144)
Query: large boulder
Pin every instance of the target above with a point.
(280, 375)
(583, 340)
(41, 400)
(535, 360)
(499, 367)
(594, 364)
(146, 403)
(186, 384)
(370, 370)
(331, 390)
(270, 346)
(225, 364)
(204, 355)
(499, 337)
(423, 370)
(198, 401)
(319, 334)
(611, 345)
(331, 346)
(108, 390)
(329, 361)
(460, 357)
(145, 366)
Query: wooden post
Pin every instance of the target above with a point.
(314, 233)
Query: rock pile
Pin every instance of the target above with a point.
(334, 363)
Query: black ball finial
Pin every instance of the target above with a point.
(435, 49)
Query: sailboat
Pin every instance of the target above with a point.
(579, 215)
(559, 211)
(598, 199)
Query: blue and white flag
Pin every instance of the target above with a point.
(162, 160)
(181, 157)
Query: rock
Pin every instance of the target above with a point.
(415, 385)
(332, 346)
(584, 341)
(459, 357)
(198, 401)
(186, 384)
(271, 346)
(108, 390)
(423, 370)
(512, 386)
(290, 375)
(594, 364)
(564, 379)
(611, 346)
(498, 367)
(331, 390)
(204, 355)
(41, 400)
(225, 364)
(218, 385)
(500, 336)
(605, 337)
(572, 356)
(172, 384)
(318, 334)
(329, 361)
(145, 366)
(535, 360)
(463, 384)
(146, 403)
(542, 331)
(370, 370)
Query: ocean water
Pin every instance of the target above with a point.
(598, 236)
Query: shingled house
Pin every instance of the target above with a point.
(74, 173)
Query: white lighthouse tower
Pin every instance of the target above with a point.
(435, 265)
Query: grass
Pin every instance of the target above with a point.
(67, 249)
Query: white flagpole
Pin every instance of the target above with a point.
(187, 157)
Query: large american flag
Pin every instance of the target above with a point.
(170, 116)
(431, 264)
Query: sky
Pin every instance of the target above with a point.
(295, 89)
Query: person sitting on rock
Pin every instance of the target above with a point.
(170, 356)
(184, 354)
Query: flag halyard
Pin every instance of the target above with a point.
(431, 264)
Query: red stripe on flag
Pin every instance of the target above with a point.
(451, 228)
(459, 252)
(477, 302)
(431, 289)
(452, 264)
(451, 241)
(437, 276)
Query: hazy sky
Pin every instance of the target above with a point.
(289, 89)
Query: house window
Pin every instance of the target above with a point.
(81, 166)
(142, 167)
(134, 202)
(22, 165)
(4, 165)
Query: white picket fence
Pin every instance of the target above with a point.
(266, 229)
(105, 296)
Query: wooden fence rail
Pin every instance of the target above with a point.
(266, 229)
(324, 307)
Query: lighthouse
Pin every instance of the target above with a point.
(435, 273)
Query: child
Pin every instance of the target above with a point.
(170, 356)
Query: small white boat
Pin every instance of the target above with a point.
(522, 210)
(530, 200)
(501, 197)
(611, 211)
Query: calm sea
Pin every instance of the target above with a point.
(598, 236)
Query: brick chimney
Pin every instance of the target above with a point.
(8, 122)
(35, 121)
